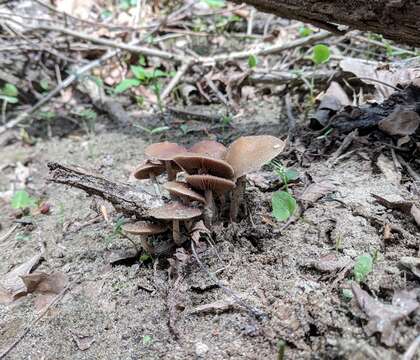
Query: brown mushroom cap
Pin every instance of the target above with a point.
(164, 150)
(249, 153)
(144, 228)
(175, 211)
(149, 167)
(182, 189)
(197, 163)
(210, 182)
(210, 148)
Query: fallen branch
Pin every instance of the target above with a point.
(128, 199)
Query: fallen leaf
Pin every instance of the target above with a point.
(415, 212)
(330, 263)
(402, 206)
(83, 342)
(214, 307)
(383, 77)
(400, 122)
(384, 318)
(387, 167)
(44, 283)
(316, 191)
(11, 284)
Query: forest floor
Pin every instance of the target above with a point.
(299, 273)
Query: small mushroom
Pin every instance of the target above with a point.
(248, 154)
(145, 229)
(165, 151)
(176, 212)
(183, 191)
(210, 184)
(210, 148)
(149, 170)
(202, 164)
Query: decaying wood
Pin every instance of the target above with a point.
(394, 19)
(128, 199)
(368, 116)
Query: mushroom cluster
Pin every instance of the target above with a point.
(205, 182)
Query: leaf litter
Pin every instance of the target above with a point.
(384, 318)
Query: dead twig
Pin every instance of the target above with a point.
(176, 79)
(412, 349)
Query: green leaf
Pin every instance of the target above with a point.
(347, 294)
(159, 130)
(320, 54)
(142, 60)
(362, 267)
(252, 61)
(139, 72)
(147, 340)
(291, 175)
(126, 84)
(215, 4)
(9, 99)
(304, 31)
(284, 205)
(22, 200)
(88, 114)
(44, 84)
(10, 90)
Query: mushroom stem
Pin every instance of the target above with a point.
(210, 210)
(176, 233)
(170, 170)
(236, 197)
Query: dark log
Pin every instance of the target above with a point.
(128, 199)
(397, 20)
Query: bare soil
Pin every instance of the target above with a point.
(122, 312)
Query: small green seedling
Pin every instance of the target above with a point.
(283, 203)
(320, 54)
(9, 93)
(362, 267)
(347, 294)
(214, 4)
(22, 200)
(154, 131)
(142, 77)
(147, 340)
(281, 349)
(252, 61)
(304, 31)
(45, 85)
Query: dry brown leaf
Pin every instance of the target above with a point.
(214, 307)
(330, 263)
(338, 92)
(11, 284)
(388, 169)
(77, 8)
(415, 212)
(384, 318)
(316, 191)
(375, 73)
(400, 122)
(44, 283)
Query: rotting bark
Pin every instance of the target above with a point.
(397, 20)
(128, 199)
(368, 116)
